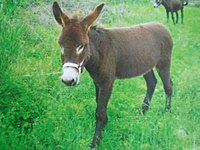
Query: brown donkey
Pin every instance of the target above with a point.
(172, 6)
(108, 54)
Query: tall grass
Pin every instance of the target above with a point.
(10, 37)
(17, 110)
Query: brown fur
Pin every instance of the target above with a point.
(117, 53)
(129, 52)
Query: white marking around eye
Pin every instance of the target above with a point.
(79, 49)
(62, 50)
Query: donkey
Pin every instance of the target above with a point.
(172, 6)
(113, 53)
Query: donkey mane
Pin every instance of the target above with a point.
(97, 35)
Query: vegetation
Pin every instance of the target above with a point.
(37, 111)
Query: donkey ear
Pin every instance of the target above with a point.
(89, 19)
(61, 18)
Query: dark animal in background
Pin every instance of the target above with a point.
(108, 54)
(172, 6)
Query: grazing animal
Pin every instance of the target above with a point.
(108, 54)
(172, 6)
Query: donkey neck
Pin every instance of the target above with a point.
(166, 4)
(98, 39)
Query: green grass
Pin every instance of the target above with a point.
(38, 112)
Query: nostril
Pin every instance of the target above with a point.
(73, 82)
(69, 82)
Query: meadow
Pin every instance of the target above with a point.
(38, 112)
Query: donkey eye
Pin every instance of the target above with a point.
(80, 49)
(81, 46)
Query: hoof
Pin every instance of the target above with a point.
(145, 107)
(92, 146)
(140, 112)
(168, 109)
(95, 142)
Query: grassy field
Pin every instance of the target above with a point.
(38, 112)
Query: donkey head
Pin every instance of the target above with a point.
(74, 42)
(157, 3)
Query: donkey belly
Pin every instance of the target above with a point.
(133, 65)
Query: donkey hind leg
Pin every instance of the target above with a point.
(164, 73)
(172, 14)
(103, 96)
(151, 84)
(177, 17)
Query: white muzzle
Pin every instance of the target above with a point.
(71, 73)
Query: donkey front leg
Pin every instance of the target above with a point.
(167, 12)
(103, 94)
(97, 91)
